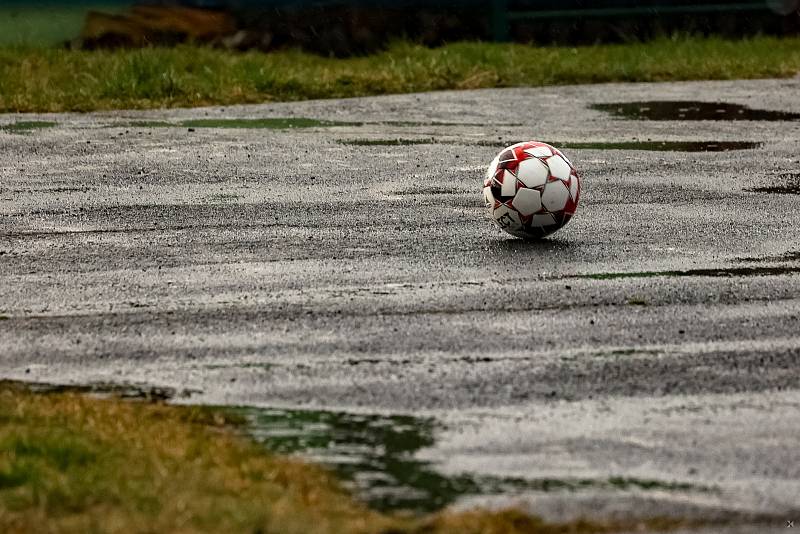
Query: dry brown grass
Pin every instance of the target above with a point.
(71, 463)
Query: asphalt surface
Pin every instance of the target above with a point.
(267, 267)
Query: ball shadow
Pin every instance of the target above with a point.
(539, 247)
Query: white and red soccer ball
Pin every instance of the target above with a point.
(531, 189)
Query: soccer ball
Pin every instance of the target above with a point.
(531, 189)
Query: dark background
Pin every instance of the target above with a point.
(341, 28)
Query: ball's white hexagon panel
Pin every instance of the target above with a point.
(488, 198)
(509, 186)
(573, 187)
(532, 172)
(557, 151)
(539, 151)
(507, 218)
(555, 195)
(559, 168)
(492, 168)
(543, 219)
(527, 201)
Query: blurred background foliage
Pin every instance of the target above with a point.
(355, 27)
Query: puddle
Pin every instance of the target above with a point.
(666, 146)
(374, 455)
(286, 123)
(779, 189)
(792, 255)
(626, 352)
(24, 127)
(222, 198)
(280, 123)
(105, 389)
(791, 186)
(262, 366)
(722, 272)
(431, 190)
(152, 124)
(390, 142)
(676, 110)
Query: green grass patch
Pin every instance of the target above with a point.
(38, 79)
(23, 127)
(72, 463)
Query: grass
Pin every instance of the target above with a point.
(49, 79)
(26, 126)
(71, 463)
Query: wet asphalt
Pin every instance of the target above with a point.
(351, 267)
